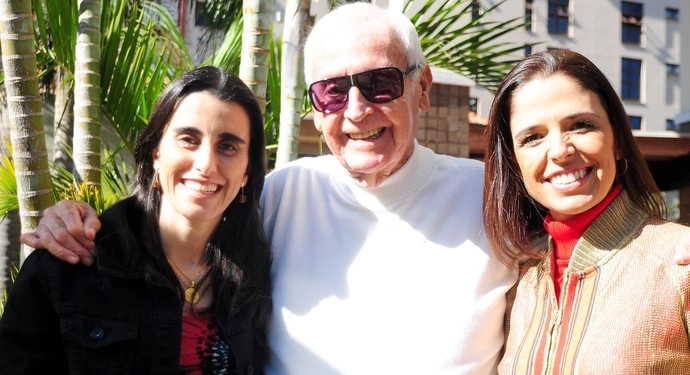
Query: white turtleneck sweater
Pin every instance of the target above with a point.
(396, 279)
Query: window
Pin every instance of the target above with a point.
(631, 29)
(201, 17)
(529, 15)
(475, 9)
(528, 50)
(672, 69)
(473, 105)
(559, 16)
(672, 14)
(635, 122)
(630, 78)
(670, 124)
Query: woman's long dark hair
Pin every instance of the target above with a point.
(511, 217)
(238, 251)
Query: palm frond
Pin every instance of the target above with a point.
(8, 186)
(55, 30)
(222, 13)
(118, 178)
(453, 39)
(218, 17)
(142, 52)
(227, 56)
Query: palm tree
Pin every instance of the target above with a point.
(29, 151)
(292, 85)
(87, 95)
(256, 38)
(141, 50)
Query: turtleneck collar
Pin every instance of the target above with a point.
(399, 186)
(568, 232)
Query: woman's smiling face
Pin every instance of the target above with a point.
(202, 158)
(564, 145)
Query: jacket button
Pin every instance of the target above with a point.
(250, 370)
(97, 333)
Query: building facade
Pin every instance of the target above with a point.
(683, 118)
(637, 44)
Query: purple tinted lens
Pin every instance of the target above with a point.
(377, 86)
(330, 95)
(380, 85)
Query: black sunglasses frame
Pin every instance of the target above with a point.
(354, 81)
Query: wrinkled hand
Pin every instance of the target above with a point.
(68, 231)
(682, 255)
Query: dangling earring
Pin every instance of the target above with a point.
(243, 198)
(624, 169)
(156, 183)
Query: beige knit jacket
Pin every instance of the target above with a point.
(625, 304)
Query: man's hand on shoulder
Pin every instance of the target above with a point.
(682, 255)
(68, 231)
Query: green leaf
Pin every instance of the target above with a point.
(452, 39)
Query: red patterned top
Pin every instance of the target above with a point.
(203, 350)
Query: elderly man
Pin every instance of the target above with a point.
(381, 264)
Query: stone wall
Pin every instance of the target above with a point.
(445, 127)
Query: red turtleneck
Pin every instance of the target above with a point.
(566, 233)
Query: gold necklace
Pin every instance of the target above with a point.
(192, 286)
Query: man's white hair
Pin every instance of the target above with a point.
(349, 17)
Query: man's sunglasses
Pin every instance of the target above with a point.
(377, 86)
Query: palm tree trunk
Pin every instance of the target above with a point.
(63, 124)
(256, 36)
(292, 79)
(34, 189)
(5, 129)
(87, 94)
(10, 225)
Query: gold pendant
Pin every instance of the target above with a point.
(190, 295)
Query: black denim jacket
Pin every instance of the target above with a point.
(106, 319)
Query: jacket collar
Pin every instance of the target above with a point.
(617, 225)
